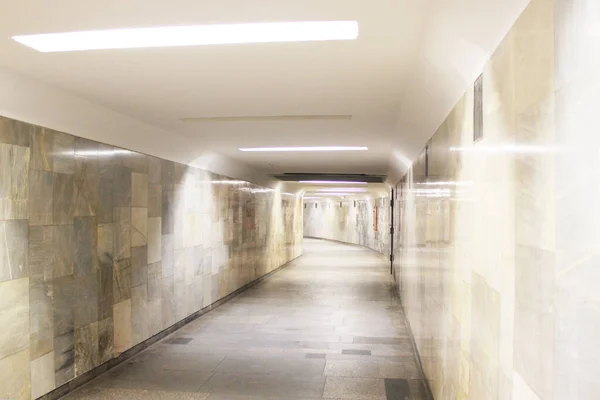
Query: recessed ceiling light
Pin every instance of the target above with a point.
(314, 148)
(195, 35)
(340, 190)
(333, 182)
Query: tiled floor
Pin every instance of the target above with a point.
(328, 326)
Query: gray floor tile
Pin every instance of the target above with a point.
(354, 388)
(352, 368)
(285, 386)
(272, 366)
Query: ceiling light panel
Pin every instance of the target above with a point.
(340, 190)
(269, 118)
(333, 182)
(304, 149)
(196, 35)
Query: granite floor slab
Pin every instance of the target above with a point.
(327, 326)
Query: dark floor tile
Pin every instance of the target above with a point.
(179, 340)
(354, 352)
(316, 355)
(381, 340)
(397, 389)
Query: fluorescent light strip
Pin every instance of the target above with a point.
(195, 35)
(341, 190)
(334, 182)
(314, 148)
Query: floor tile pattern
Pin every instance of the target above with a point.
(329, 326)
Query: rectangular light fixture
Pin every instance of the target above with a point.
(333, 182)
(340, 190)
(195, 35)
(313, 148)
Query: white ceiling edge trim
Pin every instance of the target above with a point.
(37, 103)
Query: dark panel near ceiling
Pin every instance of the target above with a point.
(294, 177)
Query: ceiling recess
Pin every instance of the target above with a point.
(294, 177)
(269, 118)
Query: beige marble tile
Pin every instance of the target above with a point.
(14, 242)
(86, 348)
(139, 226)
(14, 317)
(42, 375)
(139, 190)
(14, 188)
(63, 153)
(15, 371)
(123, 235)
(122, 326)
(41, 206)
(41, 141)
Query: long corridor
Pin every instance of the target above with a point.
(327, 326)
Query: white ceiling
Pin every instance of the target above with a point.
(399, 80)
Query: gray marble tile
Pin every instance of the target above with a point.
(15, 132)
(86, 155)
(154, 170)
(154, 281)
(64, 250)
(14, 187)
(63, 207)
(139, 190)
(168, 210)
(41, 140)
(42, 375)
(105, 291)
(64, 358)
(86, 348)
(167, 255)
(41, 253)
(41, 189)
(106, 240)
(154, 240)
(135, 162)
(105, 340)
(139, 227)
(121, 188)
(154, 201)
(108, 162)
(122, 280)
(122, 217)
(139, 266)
(14, 242)
(105, 201)
(167, 170)
(14, 316)
(63, 304)
(86, 245)
(86, 192)
(86, 299)
(41, 318)
(63, 153)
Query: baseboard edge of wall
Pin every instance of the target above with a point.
(88, 376)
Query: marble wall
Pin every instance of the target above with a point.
(350, 222)
(101, 248)
(496, 257)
